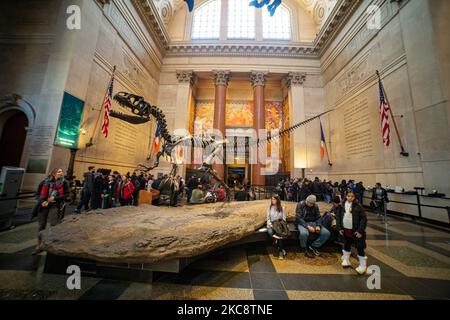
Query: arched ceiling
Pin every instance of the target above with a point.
(317, 9)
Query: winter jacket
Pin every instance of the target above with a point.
(125, 190)
(306, 215)
(359, 218)
(384, 194)
(88, 183)
(59, 189)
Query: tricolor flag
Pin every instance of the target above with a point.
(384, 113)
(322, 142)
(157, 138)
(107, 106)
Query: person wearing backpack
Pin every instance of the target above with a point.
(54, 192)
(275, 212)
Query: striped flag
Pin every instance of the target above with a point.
(384, 113)
(157, 138)
(107, 106)
(322, 142)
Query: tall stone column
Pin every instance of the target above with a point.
(186, 80)
(259, 119)
(221, 79)
(294, 83)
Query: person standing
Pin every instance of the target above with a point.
(88, 188)
(351, 223)
(125, 191)
(308, 221)
(359, 192)
(109, 194)
(275, 212)
(54, 192)
(380, 198)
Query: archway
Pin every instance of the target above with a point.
(12, 138)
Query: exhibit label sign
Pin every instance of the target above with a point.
(69, 122)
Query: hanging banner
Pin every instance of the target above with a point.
(69, 122)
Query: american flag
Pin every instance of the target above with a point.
(107, 106)
(384, 112)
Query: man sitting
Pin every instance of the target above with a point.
(308, 221)
(198, 196)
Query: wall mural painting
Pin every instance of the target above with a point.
(204, 116)
(239, 114)
(274, 115)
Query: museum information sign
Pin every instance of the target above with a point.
(69, 122)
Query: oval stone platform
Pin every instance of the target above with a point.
(148, 234)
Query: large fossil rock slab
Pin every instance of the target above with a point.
(148, 234)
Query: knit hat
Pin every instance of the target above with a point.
(311, 199)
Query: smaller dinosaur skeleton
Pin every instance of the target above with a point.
(142, 111)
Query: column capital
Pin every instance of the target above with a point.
(186, 76)
(221, 77)
(295, 79)
(258, 78)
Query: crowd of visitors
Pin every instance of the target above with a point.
(299, 189)
(105, 189)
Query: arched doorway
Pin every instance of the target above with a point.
(12, 138)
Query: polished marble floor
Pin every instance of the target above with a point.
(414, 262)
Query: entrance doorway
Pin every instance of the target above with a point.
(12, 139)
(235, 176)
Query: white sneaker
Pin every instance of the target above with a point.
(346, 259)
(362, 268)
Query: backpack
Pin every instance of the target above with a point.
(281, 228)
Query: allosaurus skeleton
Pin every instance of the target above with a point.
(142, 112)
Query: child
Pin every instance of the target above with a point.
(351, 223)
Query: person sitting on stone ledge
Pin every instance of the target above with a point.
(220, 194)
(198, 195)
(275, 212)
(309, 222)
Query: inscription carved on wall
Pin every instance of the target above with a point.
(357, 130)
(124, 141)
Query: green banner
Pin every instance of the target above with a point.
(69, 122)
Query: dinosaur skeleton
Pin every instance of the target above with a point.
(142, 111)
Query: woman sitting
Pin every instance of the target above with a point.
(275, 212)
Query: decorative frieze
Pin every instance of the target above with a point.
(295, 79)
(221, 77)
(217, 49)
(258, 78)
(186, 76)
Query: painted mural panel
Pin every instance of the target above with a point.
(239, 114)
(204, 116)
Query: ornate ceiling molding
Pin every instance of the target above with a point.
(155, 25)
(158, 14)
(228, 49)
(337, 18)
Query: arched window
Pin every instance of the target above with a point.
(277, 27)
(206, 24)
(241, 20)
